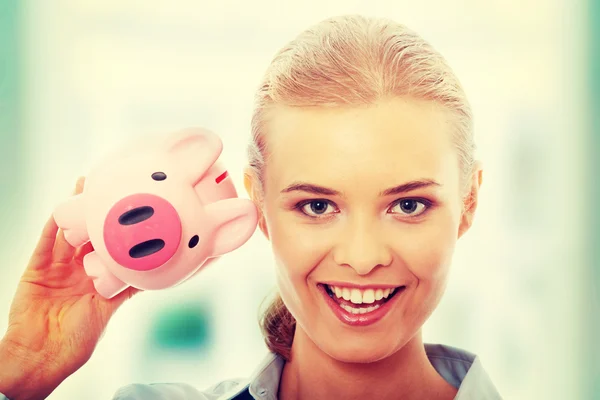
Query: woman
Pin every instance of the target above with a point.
(362, 165)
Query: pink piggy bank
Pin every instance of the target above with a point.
(157, 213)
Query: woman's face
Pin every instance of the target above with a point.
(360, 201)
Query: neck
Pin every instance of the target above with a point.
(407, 374)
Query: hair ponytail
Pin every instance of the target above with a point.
(278, 326)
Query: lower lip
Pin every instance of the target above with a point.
(359, 319)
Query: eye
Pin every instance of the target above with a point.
(159, 176)
(315, 208)
(410, 207)
(193, 241)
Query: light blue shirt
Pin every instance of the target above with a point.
(459, 368)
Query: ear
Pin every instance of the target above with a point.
(195, 149)
(234, 220)
(470, 201)
(252, 186)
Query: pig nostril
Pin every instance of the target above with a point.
(146, 248)
(159, 176)
(136, 215)
(193, 241)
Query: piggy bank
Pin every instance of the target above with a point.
(156, 213)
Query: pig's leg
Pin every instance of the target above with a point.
(107, 285)
(69, 217)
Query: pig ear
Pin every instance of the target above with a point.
(195, 149)
(235, 221)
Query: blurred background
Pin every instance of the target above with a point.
(79, 79)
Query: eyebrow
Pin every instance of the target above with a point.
(403, 188)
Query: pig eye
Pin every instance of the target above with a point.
(159, 176)
(193, 241)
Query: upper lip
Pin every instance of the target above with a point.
(362, 286)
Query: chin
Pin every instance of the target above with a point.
(359, 351)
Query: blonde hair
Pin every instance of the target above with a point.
(351, 61)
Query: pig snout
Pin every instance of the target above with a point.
(142, 232)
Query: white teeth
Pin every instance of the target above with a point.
(368, 296)
(338, 291)
(346, 293)
(353, 310)
(358, 296)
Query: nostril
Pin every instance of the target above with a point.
(146, 248)
(136, 215)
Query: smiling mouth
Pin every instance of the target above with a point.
(357, 301)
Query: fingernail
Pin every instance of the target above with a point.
(79, 183)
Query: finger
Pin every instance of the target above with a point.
(125, 295)
(42, 254)
(63, 251)
(79, 185)
(118, 300)
(81, 251)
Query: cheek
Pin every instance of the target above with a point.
(297, 250)
(428, 248)
(427, 254)
(295, 259)
(297, 245)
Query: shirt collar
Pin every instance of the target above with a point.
(264, 383)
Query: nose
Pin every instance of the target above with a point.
(142, 231)
(362, 247)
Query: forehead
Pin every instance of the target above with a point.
(388, 142)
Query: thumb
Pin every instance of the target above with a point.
(79, 185)
(108, 307)
(122, 297)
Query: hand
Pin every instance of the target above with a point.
(56, 318)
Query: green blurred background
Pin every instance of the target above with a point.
(78, 78)
(592, 379)
(11, 145)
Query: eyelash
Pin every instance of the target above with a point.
(426, 203)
